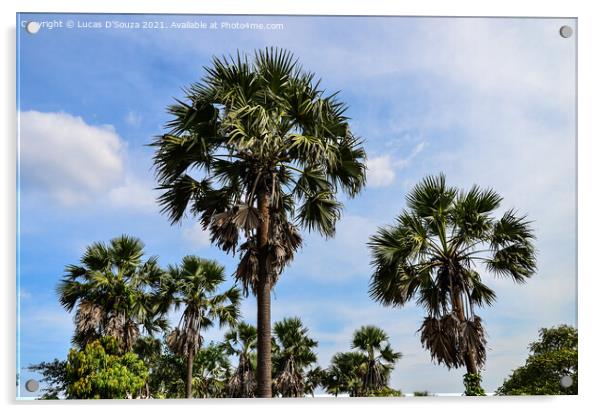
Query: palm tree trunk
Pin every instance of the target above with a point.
(264, 327)
(189, 365)
(469, 358)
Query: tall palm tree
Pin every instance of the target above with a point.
(293, 355)
(241, 341)
(436, 252)
(193, 285)
(112, 292)
(257, 150)
(374, 344)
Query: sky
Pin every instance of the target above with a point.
(487, 101)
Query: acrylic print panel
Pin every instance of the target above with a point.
(201, 214)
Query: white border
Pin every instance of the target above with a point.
(590, 228)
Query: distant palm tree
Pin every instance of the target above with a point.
(193, 285)
(112, 292)
(241, 341)
(436, 251)
(373, 342)
(257, 149)
(346, 374)
(293, 355)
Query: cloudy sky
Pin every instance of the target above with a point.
(486, 101)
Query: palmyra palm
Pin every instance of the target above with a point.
(373, 343)
(436, 252)
(241, 342)
(256, 151)
(112, 292)
(293, 356)
(193, 286)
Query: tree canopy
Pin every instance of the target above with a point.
(436, 252)
(552, 358)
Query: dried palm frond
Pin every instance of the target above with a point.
(290, 382)
(89, 319)
(472, 338)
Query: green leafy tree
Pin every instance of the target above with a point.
(193, 286)
(256, 151)
(149, 350)
(436, 251)
(552, 358)
(167, 380)
(103, 371)
(293, 356)
(54, 376)
(380, 360)
(112, 292)
(241, 342)
(212, 371)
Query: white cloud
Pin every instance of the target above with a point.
(404, 162)
(74, 163)
(64, 157)
(134, 194)
(380, 171)
(133, 118)
(344, 257)
(24, 294)
(197, 236)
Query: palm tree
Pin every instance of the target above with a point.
(373, 343)
(193, 285)
(345, 374)
(436, 252)
(293, 354)
(241, 341)
(112, 292)
(257, 151)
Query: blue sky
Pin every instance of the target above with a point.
(487, 101)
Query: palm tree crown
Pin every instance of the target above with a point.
(293, 354)
(241, 341)
(112, 291)
(257, 150)
(373, 342)
(436, 252)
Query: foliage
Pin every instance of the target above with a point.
(111, 292)
(293, 354)
(423, 393)
(193, 285)
(433, 253)
(345, 374)
(260, 127)
(551, 358)
(54, 375)
(241, 342)
(168, 377)
(472, 385)
(364, 372)
(212, 371)
(384, 392)
(103, 371)
(380, 357)
(257, 150)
